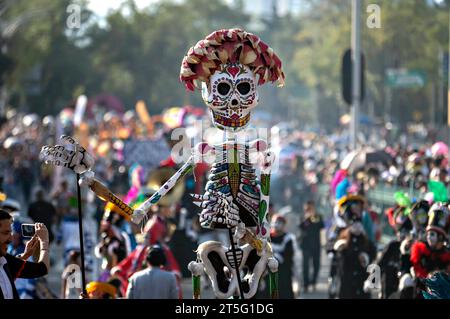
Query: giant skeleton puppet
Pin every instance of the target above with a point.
(230, 64)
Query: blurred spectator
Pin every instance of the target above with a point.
(71, 273)
(43, 211)
(12, 267)
(63, 198)
(310, 228)
(284, 248)
(153, 282)
(26, 288)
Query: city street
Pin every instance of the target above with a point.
(54, 279)
(241, 138)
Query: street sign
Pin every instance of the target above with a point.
(346, 73)
(404, 78)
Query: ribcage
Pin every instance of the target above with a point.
(232, 174)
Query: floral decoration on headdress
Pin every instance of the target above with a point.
(230, 46)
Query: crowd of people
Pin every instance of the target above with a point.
(121, 260)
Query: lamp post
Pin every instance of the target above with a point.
(356, 71)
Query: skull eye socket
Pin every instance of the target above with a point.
(243, 88)
(223, 88)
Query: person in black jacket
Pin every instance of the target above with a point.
(354, 250)
(310, 228)
(42, 211)
(12, 267)
(394, 261)
(284, 247)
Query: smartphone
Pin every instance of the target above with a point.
(28, 230)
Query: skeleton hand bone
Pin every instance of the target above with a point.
(77, 158)
(217, 209)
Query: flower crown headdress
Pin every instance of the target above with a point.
(230, 46)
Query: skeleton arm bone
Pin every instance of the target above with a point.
(105, 194)
(264, 227)
(140, 212)
(199, 152)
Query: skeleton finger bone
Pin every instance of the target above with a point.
(57, 152)
(69, 139)
(199, 197)
(77, 159)
(57, 163)
(206, 221)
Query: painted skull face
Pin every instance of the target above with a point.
(230, 95)
(432, 238)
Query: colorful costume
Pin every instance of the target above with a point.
(156, 231)
(230, 64)
(394, 260)
(433, 254)
(353, 251)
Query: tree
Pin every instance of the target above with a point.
(48, 64)
(139, 55)
(412, 34)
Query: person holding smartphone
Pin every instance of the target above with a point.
(12, 267)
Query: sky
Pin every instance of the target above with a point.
(101, 7)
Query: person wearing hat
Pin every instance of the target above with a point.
(101, 290)
(419, 219)
(10, 205)
(394, 261)
(153, 282)
(418, 215)
(344, 191)
(112, 248)
(433, 254)
(333, 233)
(353, 250)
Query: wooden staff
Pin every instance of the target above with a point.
(80, 228)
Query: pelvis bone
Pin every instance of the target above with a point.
(218, 262)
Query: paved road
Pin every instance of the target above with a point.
(319, 293)
(54, 280)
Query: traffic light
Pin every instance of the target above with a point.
(347, 77)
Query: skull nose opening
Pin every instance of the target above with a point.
(234, 102)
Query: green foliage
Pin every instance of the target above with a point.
(411, 35)
(137, 55)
